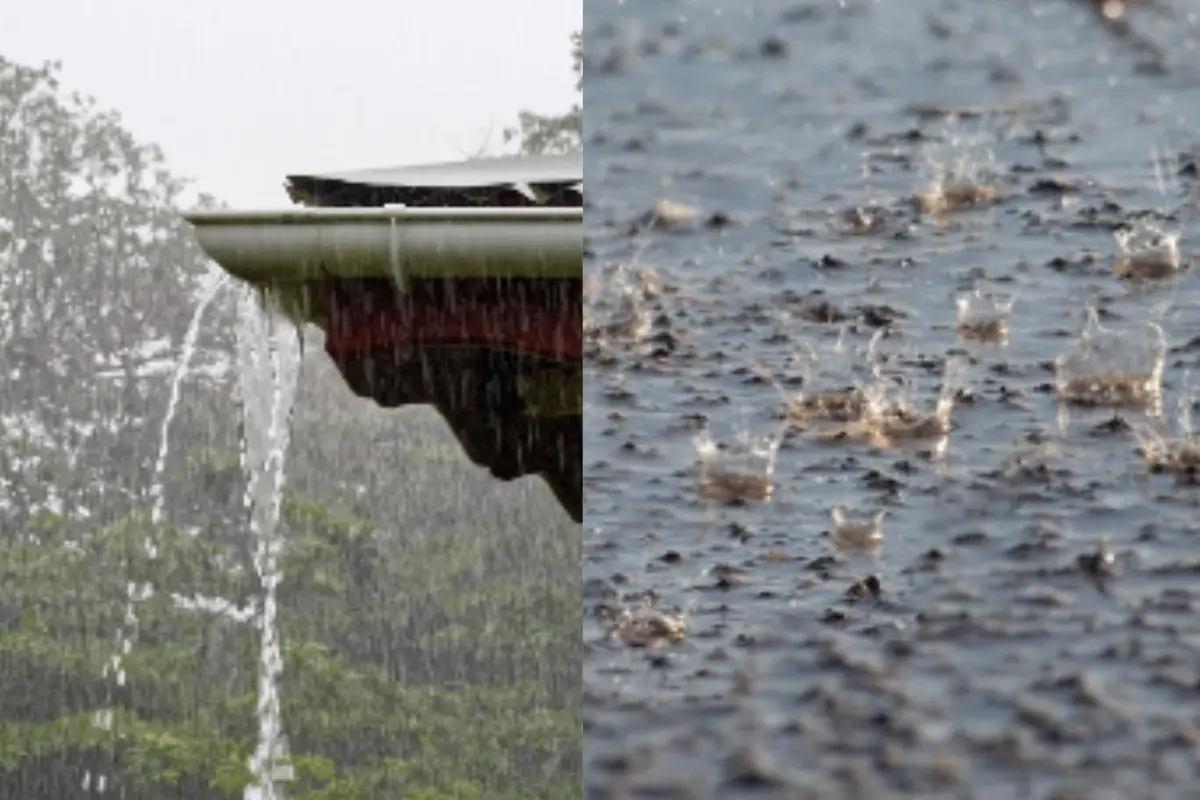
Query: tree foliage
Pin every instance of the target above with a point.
(429, 617)
(538, 133)
(394, 685)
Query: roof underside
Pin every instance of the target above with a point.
(508, 181)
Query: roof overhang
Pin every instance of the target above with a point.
(517, 217)
(511, 216)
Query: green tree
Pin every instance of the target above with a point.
(559, 133)
(396, 684)
(429, 618)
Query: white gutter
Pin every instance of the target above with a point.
(299, 245)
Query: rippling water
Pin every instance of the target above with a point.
(990, 662)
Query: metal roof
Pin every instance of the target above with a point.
(544, 180)
(566, 168)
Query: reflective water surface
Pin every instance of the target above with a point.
(1028, 626)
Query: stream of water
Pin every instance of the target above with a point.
(210, 287)
(269, 355)
(268, 368)
(136, 592)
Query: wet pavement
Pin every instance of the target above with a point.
(761, 230)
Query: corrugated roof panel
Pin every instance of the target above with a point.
(503, 170)
(550, 180)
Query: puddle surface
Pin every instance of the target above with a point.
(1032, 609)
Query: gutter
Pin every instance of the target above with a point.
(305, 245)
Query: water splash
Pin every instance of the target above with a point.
(857, 537)
(855, 531)
(269, 356)
(963, 172)
(829, 390)
(1148, 248)
(1113, 367)
(622, 298)
(1147, 252)
(984, 317)
(741, 472)
(1164, 451)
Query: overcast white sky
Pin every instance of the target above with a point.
(240, 93)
